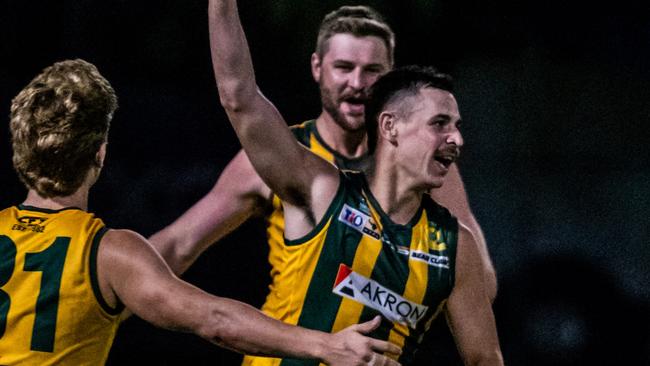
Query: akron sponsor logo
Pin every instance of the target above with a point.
(441, 261)
(373, 295)
(358, 221)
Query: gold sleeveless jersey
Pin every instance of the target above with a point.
(356, 263)
(51, 309)
(276, 304)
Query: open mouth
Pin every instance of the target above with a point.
(446, 159)
(355, 105)
(354, 100)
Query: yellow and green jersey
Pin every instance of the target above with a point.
(356, 263)
(51, 309)
(276, 301)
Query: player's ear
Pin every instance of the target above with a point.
(316, 67)
(387, 127)
(101, 155)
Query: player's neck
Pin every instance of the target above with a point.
(78, 199)
(397, 198)
(347, 143)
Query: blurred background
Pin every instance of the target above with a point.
(556, 103)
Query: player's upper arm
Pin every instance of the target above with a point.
(131, 271)
(285, 166)
(469, 309)
(288, 168)
(453, 196)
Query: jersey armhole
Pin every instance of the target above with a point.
(329, 213)
(94, 249)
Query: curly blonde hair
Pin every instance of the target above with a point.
(58, 123)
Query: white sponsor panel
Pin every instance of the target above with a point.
(358, 220)
(441, 261)
(403, 250)
(373, 295)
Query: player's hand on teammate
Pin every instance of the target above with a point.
(350, 347)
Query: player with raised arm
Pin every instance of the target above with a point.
(372, 243)
(354, 47)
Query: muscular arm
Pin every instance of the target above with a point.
(305, 183)
(130, 270)
(232, 200)
(469, 309)
(452, 195)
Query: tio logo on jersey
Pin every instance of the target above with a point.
(358, 221)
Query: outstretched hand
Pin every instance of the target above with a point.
(350, 347)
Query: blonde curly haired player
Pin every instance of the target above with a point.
(65, 278)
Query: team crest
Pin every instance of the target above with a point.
(436, 241)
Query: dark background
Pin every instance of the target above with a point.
(555, 99)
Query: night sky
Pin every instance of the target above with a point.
(555, 100)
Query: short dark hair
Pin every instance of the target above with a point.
(399, 83)
(359, 21)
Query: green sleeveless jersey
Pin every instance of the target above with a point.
(357, 263)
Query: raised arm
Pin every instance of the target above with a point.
(130, 270)
(300, 178)
(238, 193)
(469, 309)
(453, 196)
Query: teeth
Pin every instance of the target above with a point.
(446, 161)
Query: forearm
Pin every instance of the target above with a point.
(469, 310)
(177, 249)
(244, 329)
(231, 60)
(237, 195)
(263, 133)
(183, 241)
(208, 221)
(247, 330)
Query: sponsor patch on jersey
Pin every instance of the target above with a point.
(30, 223)
(441, 261)
(372, 294)
(358, 221)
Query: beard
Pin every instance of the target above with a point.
(332, 104)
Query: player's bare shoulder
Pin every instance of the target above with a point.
(115, 238)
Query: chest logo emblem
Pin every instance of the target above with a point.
(359, 221)
(372, 294)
